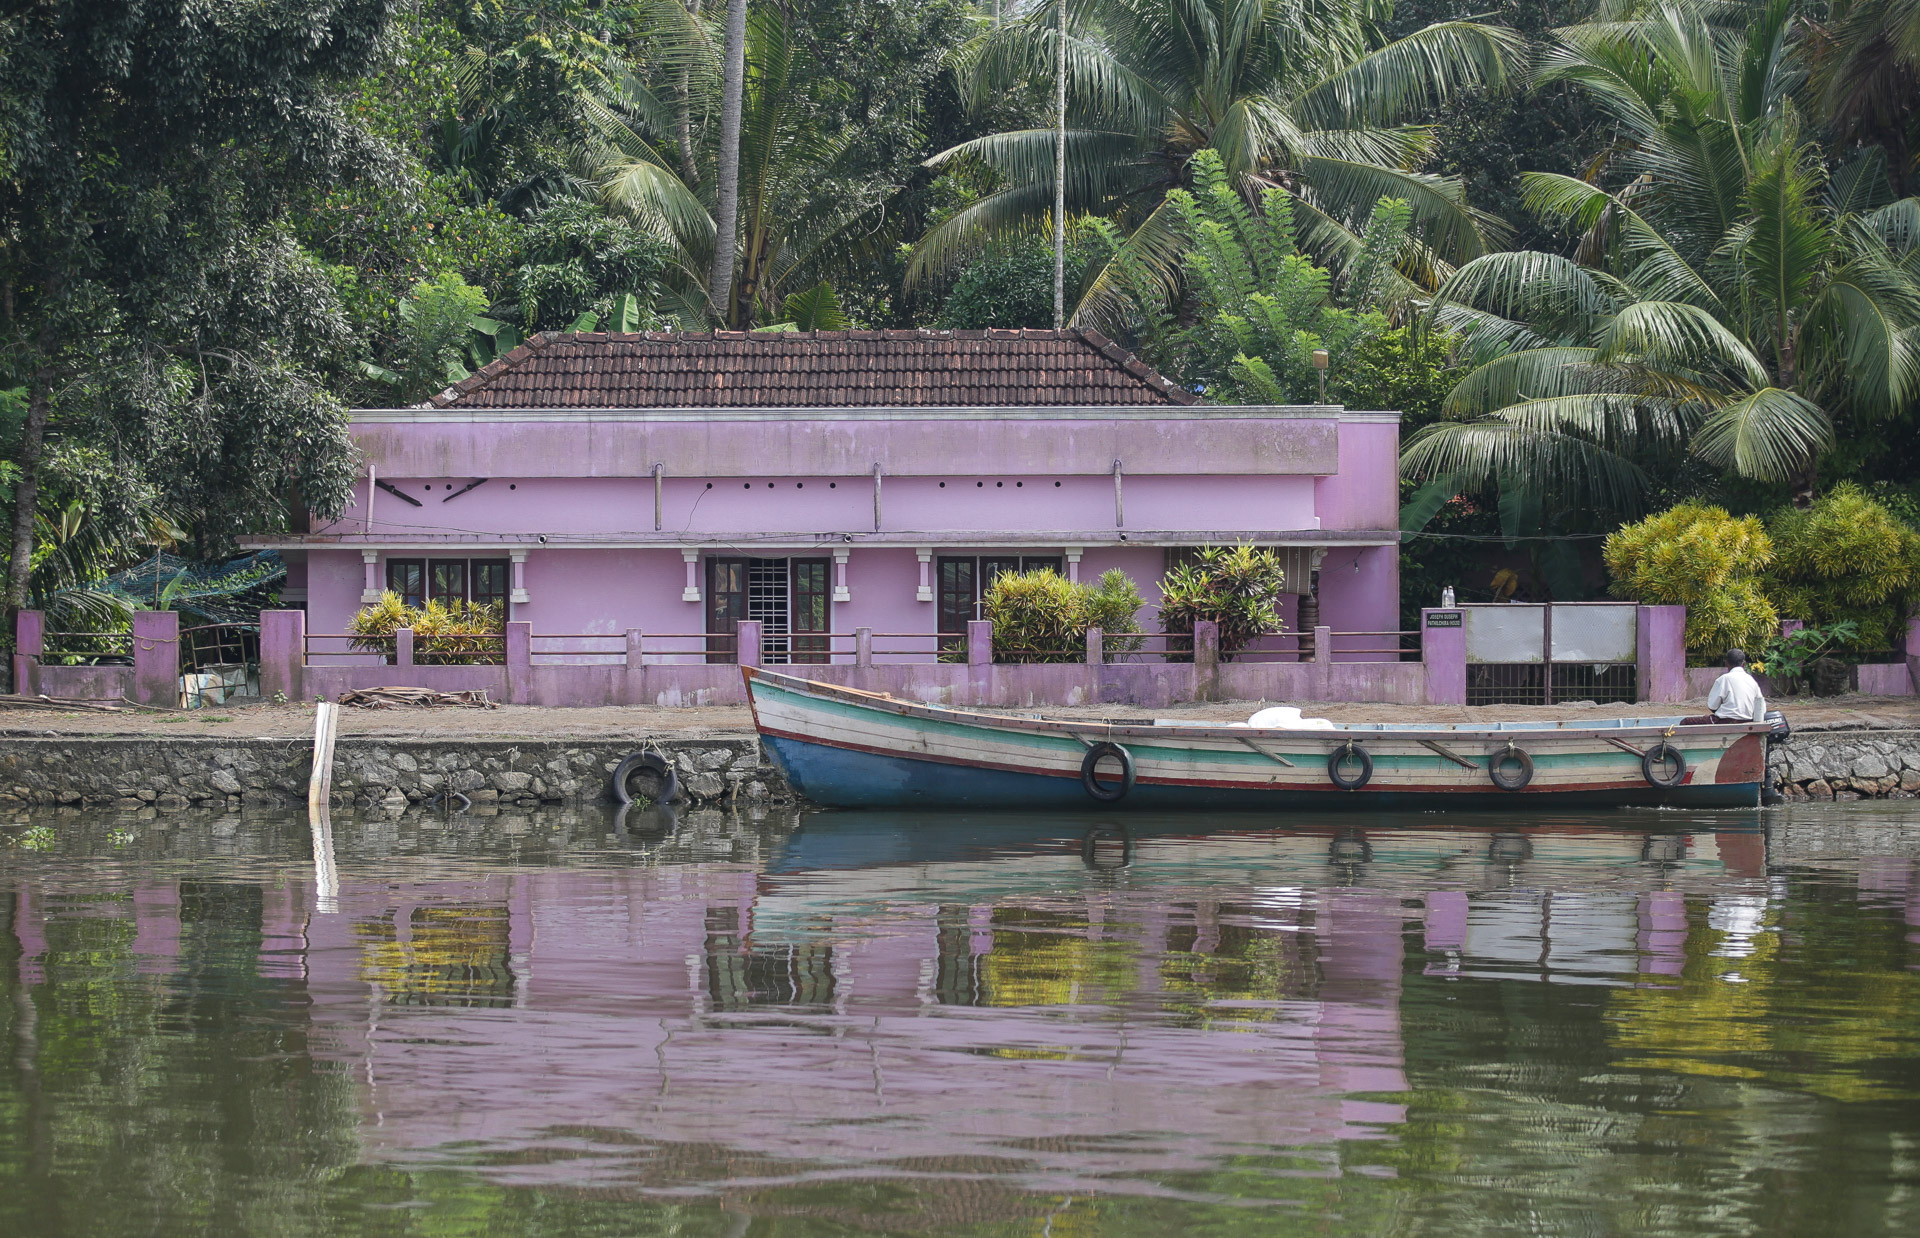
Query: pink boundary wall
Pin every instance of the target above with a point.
(624, 678)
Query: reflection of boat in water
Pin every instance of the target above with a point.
(849, 748)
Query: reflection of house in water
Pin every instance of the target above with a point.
(1007, 1004)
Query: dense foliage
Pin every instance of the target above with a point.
(1846, 559)
(1041, 616)
(1699, 557)
(1235, 587)
(223, 223)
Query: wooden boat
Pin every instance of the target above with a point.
(848, 748)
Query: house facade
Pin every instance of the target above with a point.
(816, 484)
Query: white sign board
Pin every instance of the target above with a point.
(1505, 632)
(1596, 632)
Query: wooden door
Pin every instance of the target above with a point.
(810, 614)
(726, 606)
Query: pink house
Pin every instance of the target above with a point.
(664, 487)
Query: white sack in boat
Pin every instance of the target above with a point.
(1287, 718)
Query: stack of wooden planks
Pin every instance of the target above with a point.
(415, 698)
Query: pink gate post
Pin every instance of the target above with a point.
(29, 642)
(156, 658)
(283, 653)
(1662, 639)
(1443, 647)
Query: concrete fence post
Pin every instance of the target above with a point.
(520, 663)
(979, 642)
(156, 658)
(1096, 647)
(1662, 642)
(283, 653)
(29, 642)
(863, 647)
(635, 657)
(1913, 652)
(1443, 650)
(1322, 644)
(747, 638)
(403, 646)
(1206, 660)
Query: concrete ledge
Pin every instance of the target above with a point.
(175, 773)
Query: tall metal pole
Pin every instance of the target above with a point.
(1060, 169)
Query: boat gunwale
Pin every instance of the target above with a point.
(882, 703)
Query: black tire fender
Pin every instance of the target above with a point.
(1658, 756)
(1510, 755)
(1106, 793)
(662, 770)
(1350, 751)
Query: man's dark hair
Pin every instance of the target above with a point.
(1736, 657)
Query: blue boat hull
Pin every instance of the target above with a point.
(848, 778)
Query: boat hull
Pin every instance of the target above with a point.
(844, 748)
(848, 778)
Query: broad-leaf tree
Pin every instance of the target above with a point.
(1729, 298)
(149, 306)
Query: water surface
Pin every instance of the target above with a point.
(567, 1023)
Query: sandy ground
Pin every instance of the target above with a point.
(267, 721)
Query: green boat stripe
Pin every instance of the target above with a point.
(1069, 746)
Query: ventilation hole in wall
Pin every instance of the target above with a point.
(998, 484)
(709, 485)
(513, 485)
(943, 485)
(449, 486)
(1056, 485)
(430, 486)
(1018, 484)
(799, 485)
(833, 485)
(746, 485)
(978, 484)
(769, 485)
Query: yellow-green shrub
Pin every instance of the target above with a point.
(1041, 616)
(1699, 557)
(444, 633)
(1846, 559)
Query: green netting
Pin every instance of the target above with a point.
(224, 591)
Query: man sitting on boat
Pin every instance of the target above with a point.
(1736, 695)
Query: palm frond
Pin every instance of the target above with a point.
(1430, 67)
(1770, 435)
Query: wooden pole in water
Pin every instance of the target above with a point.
(320, 785)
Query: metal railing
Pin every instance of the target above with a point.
(219, 644)
(87, 649)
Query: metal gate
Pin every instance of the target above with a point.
(1552, 654)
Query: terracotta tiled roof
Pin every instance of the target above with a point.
(814, 369)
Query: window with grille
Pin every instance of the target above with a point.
(471, 582)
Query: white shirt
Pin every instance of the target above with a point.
(1736, 697)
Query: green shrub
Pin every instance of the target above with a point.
(1847, 558)
(1041, 616)
(1699, 557)
(1236, 587)
(444, 633)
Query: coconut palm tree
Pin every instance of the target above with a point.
(1294, 94)
(1866, 78)
(794, 203)
(1728, 298)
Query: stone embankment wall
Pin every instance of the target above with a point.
(174, 773)
(1848, 765)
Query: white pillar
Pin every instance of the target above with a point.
(692, 592)
(519, 596)
(840, 591)
(1073, 562)
(925, 555)
(370, 587)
